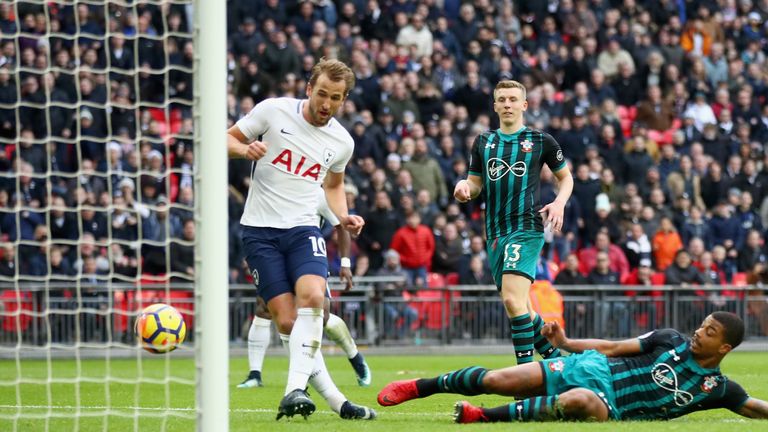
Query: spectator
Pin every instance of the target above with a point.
(613, 311)
(655, 112)
(64, 223)
(707, 266)
(701, 112)
(714, 186)
(724, 227)
(158, 228)
(416, 246)
(610, 60)
(637, 246)
(682, 272)
(570, 274)
(752, 252)
(183, 253)
(393, 311)
(585, 189)
(666, 243)
(426, 172)
(617, 259)
(416, 34)
(696, 227)
(636, 162)
(8, 267)
(448, 251)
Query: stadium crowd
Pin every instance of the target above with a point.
(659, 106)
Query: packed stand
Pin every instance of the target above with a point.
(659, 106)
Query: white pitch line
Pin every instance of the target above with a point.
(271, 411)
(133, 408)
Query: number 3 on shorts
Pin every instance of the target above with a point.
(513, 256)
(318, 246)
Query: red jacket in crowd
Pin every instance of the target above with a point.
(415, 246)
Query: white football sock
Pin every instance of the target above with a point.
(284, 338)
(258, 341)
(337, 331)
(304, 344)
(323, 383)
(321, 380)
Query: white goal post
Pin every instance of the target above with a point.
(212, 293)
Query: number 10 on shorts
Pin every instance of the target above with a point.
(318, 246)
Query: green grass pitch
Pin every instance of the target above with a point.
(138, 406)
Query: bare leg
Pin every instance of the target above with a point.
(519, 381)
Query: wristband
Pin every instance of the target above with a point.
(346, 262)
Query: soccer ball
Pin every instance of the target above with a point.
(160, 328)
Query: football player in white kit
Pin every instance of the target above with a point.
(260, 332)
(297, 146)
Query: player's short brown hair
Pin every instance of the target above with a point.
(335, 70)
(505, 84)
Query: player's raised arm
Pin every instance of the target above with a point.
(556, 336)
(239, 147)
(337, 201)
(468, 189)
(754, 408)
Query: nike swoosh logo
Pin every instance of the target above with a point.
(387, 401)
(285, 132)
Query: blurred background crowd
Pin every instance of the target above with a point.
(659, 106)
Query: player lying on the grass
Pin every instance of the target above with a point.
(335, 327)
(660, 375)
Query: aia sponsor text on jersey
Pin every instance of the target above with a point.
(297, 164)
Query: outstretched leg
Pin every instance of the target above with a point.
(519, 381)
(574, 404)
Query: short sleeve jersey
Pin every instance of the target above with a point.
(664, 381)
(284, 183)
(509, 166)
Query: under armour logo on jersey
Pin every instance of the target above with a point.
(498, 168)
(490, 145)
(674, 355)
(665, 377)
(525, 353)
(328, 155)
(285, 160)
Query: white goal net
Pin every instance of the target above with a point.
(97, 212)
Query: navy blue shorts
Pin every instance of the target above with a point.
(279, 257)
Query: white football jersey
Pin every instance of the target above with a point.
(285, 182)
